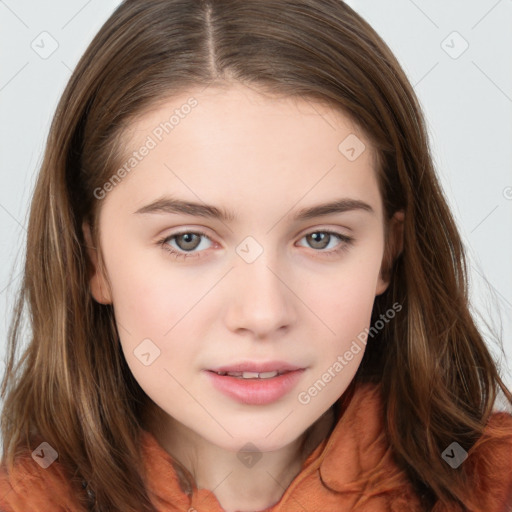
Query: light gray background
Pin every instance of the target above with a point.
(467, 102)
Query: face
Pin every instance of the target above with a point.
(267, 283)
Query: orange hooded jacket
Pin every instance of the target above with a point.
(332, 478)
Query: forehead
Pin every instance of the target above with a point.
(216, 109)
(238, 143)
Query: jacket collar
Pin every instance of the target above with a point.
(357, 456)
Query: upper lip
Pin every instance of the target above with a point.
(252, 366)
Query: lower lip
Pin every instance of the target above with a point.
(256, 391)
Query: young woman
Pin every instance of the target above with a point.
(245, 288)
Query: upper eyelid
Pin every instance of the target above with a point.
(306, 231)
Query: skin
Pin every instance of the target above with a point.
(264, 158)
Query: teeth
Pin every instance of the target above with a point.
(267, 375)
(251, 375)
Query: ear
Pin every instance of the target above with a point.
(98, 283)
(393, 247)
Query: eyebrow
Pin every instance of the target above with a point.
(174, 205)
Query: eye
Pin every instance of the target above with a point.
(186, 241)
(322, 239)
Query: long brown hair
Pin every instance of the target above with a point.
(72, 386)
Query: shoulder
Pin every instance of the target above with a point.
(489, 464)
(29, 486)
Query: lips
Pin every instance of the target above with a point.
(255, 387)
(256, 368)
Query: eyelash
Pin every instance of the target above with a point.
(347, 242)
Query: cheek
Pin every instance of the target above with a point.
(154, 316)
(143, 301)
(347, 315)
(151, 302)
(347, 297)
(149, 290)
(344, 303)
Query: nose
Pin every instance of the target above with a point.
(261, 300)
